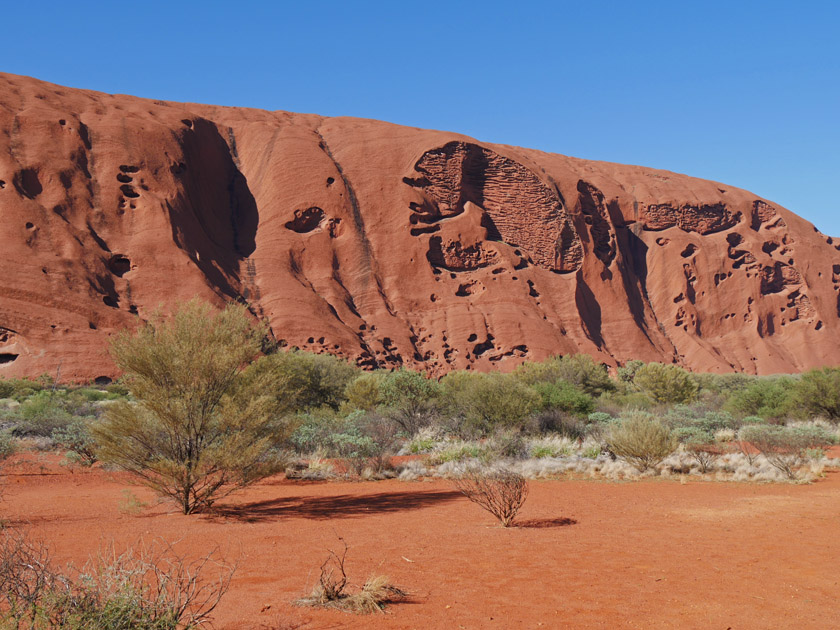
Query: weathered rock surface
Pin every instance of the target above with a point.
(385, 244)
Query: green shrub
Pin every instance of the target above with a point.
(563, 396)
(148, 590)
(579, 370)
(7, 445)
(641, 440)
(410, 399)
(627, 372)
(818, 393)
(667, 384)
(365, 391)
(488, 402)
(77, 439)
(303, 380)
(41, 414)
(769, 398)
(18, 389)
(205, 421)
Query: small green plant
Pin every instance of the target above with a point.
(642, 441)
(80, 445)
(131, 503)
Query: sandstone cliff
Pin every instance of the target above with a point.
(385, 244)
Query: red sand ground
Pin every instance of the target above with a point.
(651, 554)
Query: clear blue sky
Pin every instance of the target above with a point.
(743, 92)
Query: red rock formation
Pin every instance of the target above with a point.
(385, 244)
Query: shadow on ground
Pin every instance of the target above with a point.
(542, 523)
(340, 506)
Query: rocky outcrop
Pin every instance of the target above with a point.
(387, 245)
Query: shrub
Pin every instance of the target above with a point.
(150, 590)
(41, 414)
(769, 398)
(579, 370)
(365, 391)
(552, 421)
(818, 393)
(502, 492)
(563, 396)
(641, 440)
(627, 372)
(700, 444)
(204, 422)
(488, 402)
(7, 445)
(410, 399)
(787, 447)
(303, 380)
(666, 383)
(76, 438)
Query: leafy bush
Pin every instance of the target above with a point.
(410, 399)
(77, 439)
(818, 393)
(579, 370)
(666, 383)
(787, 447)
(769, 398)
(303, 380)
(553, 421)
(641, 440)
(489, 402)
(205, 420)
(563, 396)
(41, 414)
(18, 389)
(365, 391)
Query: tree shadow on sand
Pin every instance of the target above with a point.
(544, 523)
(340, 506)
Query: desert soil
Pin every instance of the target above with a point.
(649, 554)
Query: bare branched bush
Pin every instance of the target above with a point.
(502, 492)
(331, 590)
(152, 589)
(642, 441)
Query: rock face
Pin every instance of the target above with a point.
(384, 244)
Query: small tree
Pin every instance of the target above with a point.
(204, 419)
(642, 441)
(666, 383)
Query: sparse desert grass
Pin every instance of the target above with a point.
(332, 588)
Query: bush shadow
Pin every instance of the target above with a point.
(339, 506)
(545, 523)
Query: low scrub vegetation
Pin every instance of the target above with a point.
(209, 404)
(153, 589)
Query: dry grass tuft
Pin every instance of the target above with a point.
(330, 592)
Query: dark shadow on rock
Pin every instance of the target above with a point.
(214, 216)
(544, 523)
(340, 506)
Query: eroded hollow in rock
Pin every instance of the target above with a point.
(119, 265)
(7, 357)
(306, 220)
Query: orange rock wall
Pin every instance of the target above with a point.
(385, 244)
